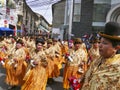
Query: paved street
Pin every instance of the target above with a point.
(56, 85)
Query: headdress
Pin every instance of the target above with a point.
(111, 31)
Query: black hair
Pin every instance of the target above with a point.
(20, 41)
(40, 40)
(14, 37)
(114, 44)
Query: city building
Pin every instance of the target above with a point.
(17, 15)
(86, 16)
(33, 23)
(58, 12)
(44, 28)
(8, 14)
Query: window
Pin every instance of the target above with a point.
(77, 10)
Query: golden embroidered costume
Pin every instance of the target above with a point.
(93, 53)
(36, 77)
(104, 73)
(71, 69)
(16, 67)
(53, 70)
(103, 76)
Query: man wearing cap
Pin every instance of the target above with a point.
(104, 73)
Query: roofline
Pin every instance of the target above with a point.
(37, 14)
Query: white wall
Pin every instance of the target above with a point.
(102, 1)
(77, 1)
(115, 1)
(56, 33)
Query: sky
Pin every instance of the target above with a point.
(43, 7)
(46, 12)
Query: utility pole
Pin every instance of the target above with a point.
(70, 20)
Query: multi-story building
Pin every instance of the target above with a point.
(17, 15)
(58, 11)
(44, 28)
(31, 21)
(88, 16)
(8, 14)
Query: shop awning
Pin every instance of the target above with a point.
(6, 29)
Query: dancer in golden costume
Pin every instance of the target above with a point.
(93, 53)
(16, 66)
(37, 75)
(104, 73)
(77, 65)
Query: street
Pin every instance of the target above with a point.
(56, 85)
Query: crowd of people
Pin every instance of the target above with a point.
(32, 62)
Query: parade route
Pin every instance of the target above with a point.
(56, 85)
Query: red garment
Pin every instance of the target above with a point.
(74, 83)
(27, 57)
(1, 59)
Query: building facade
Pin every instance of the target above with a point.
(58, 11)
(89, 16)
(32, 22)
(93, 15)
(17, 15)
(8, 15)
